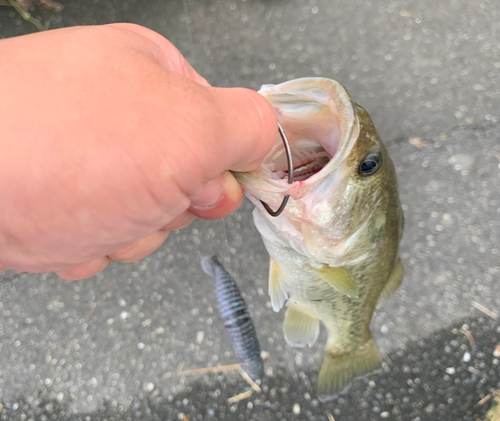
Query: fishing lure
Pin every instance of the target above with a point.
(232, 307)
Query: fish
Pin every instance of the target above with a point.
(334, 250)
(239, 326)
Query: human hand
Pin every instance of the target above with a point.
(109, 140)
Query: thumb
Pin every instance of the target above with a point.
(245, 133)
(213, 130)
(250, 128)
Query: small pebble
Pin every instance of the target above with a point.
(384, 414)
(416, 141)
(148, 387)
(296, 409)
(200, 335)
(450, 370)
(429, 408)
(466, 357)
(496, 352)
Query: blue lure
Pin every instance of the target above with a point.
(232, 307)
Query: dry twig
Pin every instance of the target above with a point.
(240, 396)
(468, 335)
(180, 367)
(26, 15)
(91, 311)
(485, 310)
(231, 367)
(488, 397)
(205, 370)
(249, 380)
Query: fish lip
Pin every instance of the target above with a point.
(344, 102)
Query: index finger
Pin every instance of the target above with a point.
(169, 57)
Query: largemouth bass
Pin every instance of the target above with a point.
(334, 249)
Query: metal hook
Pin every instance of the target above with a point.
(290, 174)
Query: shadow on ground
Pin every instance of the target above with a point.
(441, 377)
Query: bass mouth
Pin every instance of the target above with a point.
(305, 169)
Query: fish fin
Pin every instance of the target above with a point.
(277, 291)
(299, 327)
(339, 278)
(393, 282)
(337, 370)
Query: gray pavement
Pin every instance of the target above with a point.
(109, 348)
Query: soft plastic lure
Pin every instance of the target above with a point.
(232, 307)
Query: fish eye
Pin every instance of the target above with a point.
(370, 164)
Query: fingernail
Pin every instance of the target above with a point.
(232, 188)
(209, 197)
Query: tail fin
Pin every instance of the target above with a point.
(337, 370)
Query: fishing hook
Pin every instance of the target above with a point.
(290, 174)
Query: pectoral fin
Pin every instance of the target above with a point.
(300, 328)
(277, 292)
(393, 282)
(339, 278)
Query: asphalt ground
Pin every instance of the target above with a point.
(427, 72)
